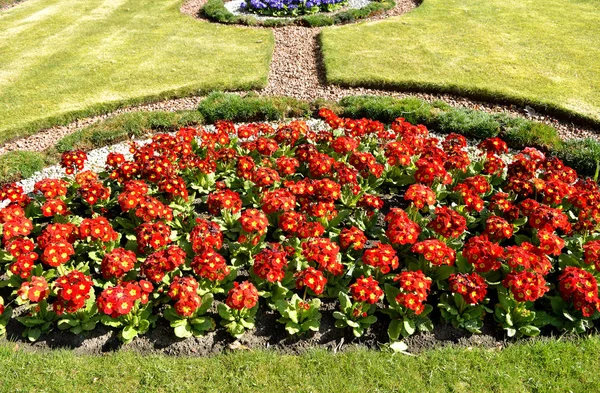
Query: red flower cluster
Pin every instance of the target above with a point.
(151, 236)
(352, 238)
(270, 265)
(210, 265)
(497, 228)
(414, 289)
(72, 290)
(161, 262)
(435, 251)
(57, 253)
(581, 288)
(119, 300)
(420, 195)
(254, 221)
(448, 223)
(224, 199)
(401, 229)
(382, 256)
(324, 253)
(51, 188)
(366, 290)
(97, 229)
(22, 250)
(312, 279)
(278, 200)
(35, 290)
(591, 252)
(526, 286)
(471, 286)
(184, 291)
(117, 263)
(483, 254)
(242, 296)
(73, 160)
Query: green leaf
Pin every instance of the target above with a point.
(311, 324)
(409, 326)
(88, 325)
(292, 328)
(529, 330)
(394, 329)
(129, 333)
(183, 331)
(345, 302)
(33, 334)
(339, 315)
(399, 346)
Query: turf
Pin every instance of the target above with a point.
(529, 51)
(542, 366)
(62, 58)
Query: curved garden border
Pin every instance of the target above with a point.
(473, 124)
(215, 11)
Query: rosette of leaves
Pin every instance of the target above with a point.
(404, 321)
(131, 325)
(460, 314)
(237, 321)
(299, 316)
(517, 318)
(196, 324)
(356, 315)
(40, 320)
(81, 320)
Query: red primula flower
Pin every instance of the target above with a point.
(352, 238)
(117, 263)
(57, 253)
(448, 223)
(35, 290)
(51, 188)
(270, 265)
(366, 290)
(471, 286)
(526, 286)
(97, 229)
(312, 279)
(152, 236)
(72, 292)
(73, 160)
(382, 256)
(420, 195)
(483, 254)
(183, 291)
(414, 289)
(581, 288)
(161, 262)
(242, 296)
(435, 251)
(224, 199)
(254, 221)
(324, 253)
(401, 229)
(497, 228)
(210, 265)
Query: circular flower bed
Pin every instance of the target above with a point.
(204, 228)
(291, 7)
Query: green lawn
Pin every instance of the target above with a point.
(60, 58)
(544, 52)
(550, 366)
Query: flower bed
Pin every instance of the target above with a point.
(291, 7)
(205, 228)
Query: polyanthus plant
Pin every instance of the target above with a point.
(288, 215)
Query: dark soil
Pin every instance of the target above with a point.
(268, 334)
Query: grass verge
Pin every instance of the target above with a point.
(540, 366)
(543, 54)
(66, 59)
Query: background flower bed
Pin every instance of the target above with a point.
(356, 313)
(292, 7)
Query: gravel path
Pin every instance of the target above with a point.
(297, 72)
